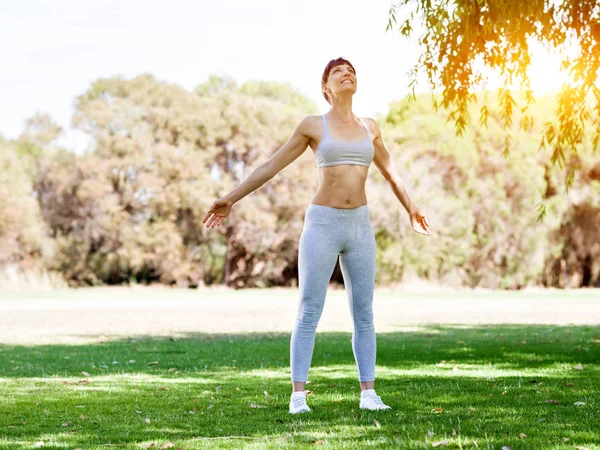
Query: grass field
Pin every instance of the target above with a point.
(476, 386)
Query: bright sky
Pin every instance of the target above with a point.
(52, 51)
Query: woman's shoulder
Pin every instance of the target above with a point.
(371, 125)
(311, 124)
(313, 118)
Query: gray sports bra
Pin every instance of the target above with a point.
(333, 152)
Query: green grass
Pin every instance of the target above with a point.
(494, 385)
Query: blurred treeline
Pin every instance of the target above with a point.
(129, 209)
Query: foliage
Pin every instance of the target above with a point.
(129, 210)
(21, 225)
(132, 208)
(463, 38)
(486, 232)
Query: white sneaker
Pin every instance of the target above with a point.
(298, 404)
(372, 401)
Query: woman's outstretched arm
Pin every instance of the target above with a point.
(292, 149)
(383, 161)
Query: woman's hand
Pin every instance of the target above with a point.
(419, 221)
(217, 212)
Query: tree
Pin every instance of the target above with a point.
(479, 201)
(131, 208)
(21, 226)
(463, 38)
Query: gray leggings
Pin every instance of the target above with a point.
(327, 233)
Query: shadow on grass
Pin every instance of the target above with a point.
(487, 383)
(510, 346)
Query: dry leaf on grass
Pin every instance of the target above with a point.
(522, 435)
(578, 367)
(85, 374)
(377, 424)
(167, 445)
(153, 363)
(254, 405)
(439, 443)
(151, 444)
(553, 401)
(147, 420)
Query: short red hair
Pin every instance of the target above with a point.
(330, 65)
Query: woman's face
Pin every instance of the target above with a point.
(342, 80)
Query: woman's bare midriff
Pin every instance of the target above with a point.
(341, 186)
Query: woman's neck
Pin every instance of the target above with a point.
(341, 110)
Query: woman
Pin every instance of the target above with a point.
(336, 223)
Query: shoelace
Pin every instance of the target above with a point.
(298, 402)
(376, 400)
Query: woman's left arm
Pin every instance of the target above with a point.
(383, 161)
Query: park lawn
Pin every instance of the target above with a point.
(475, 387)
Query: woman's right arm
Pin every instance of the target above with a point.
(292, 149)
